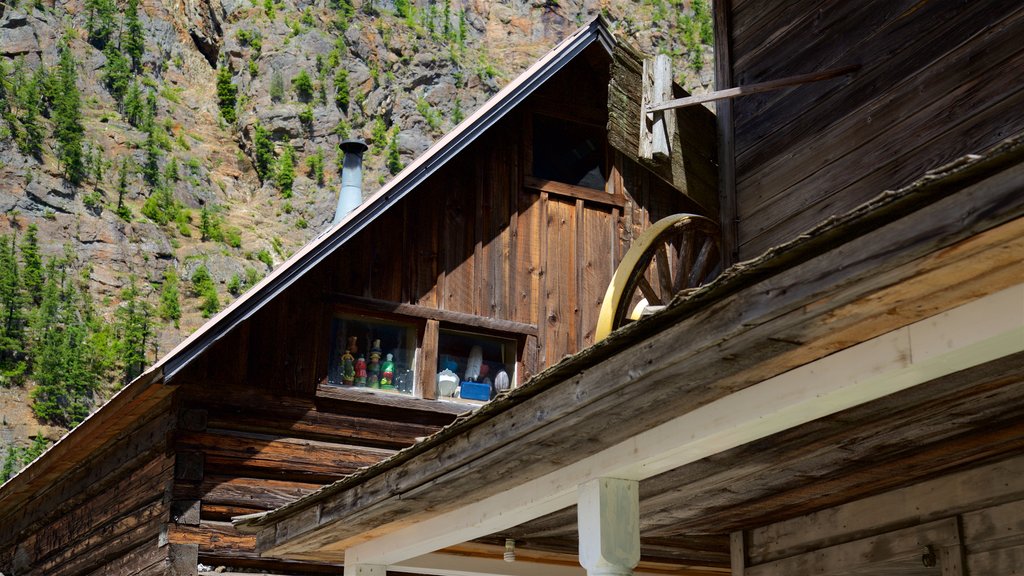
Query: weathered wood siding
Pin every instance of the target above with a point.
(105, 518)
(249, 444)
(939, 80)
(972, 522)
(478, 238)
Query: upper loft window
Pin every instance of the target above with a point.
(372, 353)
(568, 152)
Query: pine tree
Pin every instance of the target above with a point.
(341, 90)
(203, 287)
(32, 274)
(100, 21)
(68, 128)
(134, 41)
(227, 94)
(171, 170)
(117, 75)
(264, 152)
(394, 159)
(170, 299)
(12, 316)
(285, 175)
(122, 188)
(151, 168)
(7, 98)
(303, 86)
(133, 108)
(62, 365)
(31, 105)
(315, 163)
(133, 330)
(149, 117)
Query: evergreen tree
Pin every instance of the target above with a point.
(12, 316)
(133, 42)
(133, 330)
(117, 76)
(7, 92)
(341, 90)
(133, 107)
(285, 175)
(315, 163)
(203, 287)
(171, 171)
(68, 128)
(227, 94)
(62, 363)
(31, 142)
(100, 21)
(151, 168)
(150, 114)
(122, 188)
(303, 86)
(394, 159)
(264, 152)
(32, 274)
(170, 305)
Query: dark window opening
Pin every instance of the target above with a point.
(568, 152)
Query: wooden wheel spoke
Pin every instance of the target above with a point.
(685, 261)
(701, 262)
(664, 271)
(648, 291)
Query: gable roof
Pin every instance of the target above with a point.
(138, 396)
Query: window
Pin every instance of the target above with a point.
(372, 353)
(473, 366)
(568, 152)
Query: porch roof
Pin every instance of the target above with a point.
(906, 256)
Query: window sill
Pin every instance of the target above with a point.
(394, 399)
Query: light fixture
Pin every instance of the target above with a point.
(510, 550)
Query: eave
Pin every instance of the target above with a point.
(952, 237)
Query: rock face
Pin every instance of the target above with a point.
(399, 81)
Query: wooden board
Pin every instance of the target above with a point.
(815, 151)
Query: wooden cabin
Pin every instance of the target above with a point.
(502, 237)
(845, 399)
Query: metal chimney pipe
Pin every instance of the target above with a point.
(351, 194)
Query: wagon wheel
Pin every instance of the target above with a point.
(678, 252)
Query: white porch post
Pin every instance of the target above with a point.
(356, 569)
(609, 526)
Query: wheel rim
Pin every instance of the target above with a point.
(675, 253)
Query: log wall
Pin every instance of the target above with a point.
(962, 524)
(248, 447)
(937, 82)
(104, 518)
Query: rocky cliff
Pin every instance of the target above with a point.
(217, 148)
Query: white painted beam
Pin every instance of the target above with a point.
(972, 334)
(441, 564)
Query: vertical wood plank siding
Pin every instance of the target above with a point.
(475, 240)
(937, 83)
